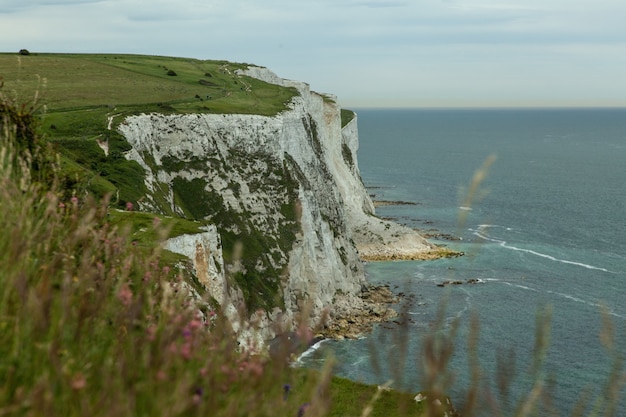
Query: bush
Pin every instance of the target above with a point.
(24, 52)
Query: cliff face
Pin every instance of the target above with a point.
(284, 195)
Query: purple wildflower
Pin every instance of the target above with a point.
(303, 409)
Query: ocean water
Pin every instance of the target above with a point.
(544, 229)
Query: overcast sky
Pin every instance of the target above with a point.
(418, 53)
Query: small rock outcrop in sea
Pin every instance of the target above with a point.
(458, 282)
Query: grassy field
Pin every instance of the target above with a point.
(80, 98)
(128, 83)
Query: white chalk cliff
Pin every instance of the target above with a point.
(283, 190)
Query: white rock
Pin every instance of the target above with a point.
(419, 398)
(233, 154)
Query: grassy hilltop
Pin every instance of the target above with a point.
(73, 82)
(80, 98)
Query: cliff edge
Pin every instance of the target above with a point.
(375, 238)
(292, 221)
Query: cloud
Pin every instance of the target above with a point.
(380, 4)
(340, 46)
(10, 6)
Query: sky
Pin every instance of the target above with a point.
(370, 53)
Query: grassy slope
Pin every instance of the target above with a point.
(78, 93)
(80, 81)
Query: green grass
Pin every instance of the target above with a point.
(67, 82)
(350, 398)
(346, 116)
(76, 95)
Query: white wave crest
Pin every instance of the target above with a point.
(542, 255)
(309, 352)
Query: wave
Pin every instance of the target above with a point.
(589, 303)
(310, 351)
(504, 244)
(523, 287)
(494, 226)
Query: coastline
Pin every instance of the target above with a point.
(379, 239)
(354, 316)
(383, 254)
(351, 317)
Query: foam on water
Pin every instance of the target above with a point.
(505, 245)
(308, 353)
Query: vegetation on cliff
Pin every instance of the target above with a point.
(82, 97)
(95, 320)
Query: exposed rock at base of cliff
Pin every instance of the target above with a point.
(384, 240)
(352, 317)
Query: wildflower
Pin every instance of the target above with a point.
(252, 368)
(225, 370)
(286, 389)
(166, 269)
(185, 350)
(129, 206)
(195, 324)
(125, 294)
(303, 409)
(78, 382)
(151, 332)
(197, 395)
(74, 200)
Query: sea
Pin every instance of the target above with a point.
(536, 201)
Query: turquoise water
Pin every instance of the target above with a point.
(546, 228)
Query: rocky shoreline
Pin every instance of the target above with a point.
(381, 203)
(352, 317)
(384, 254)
